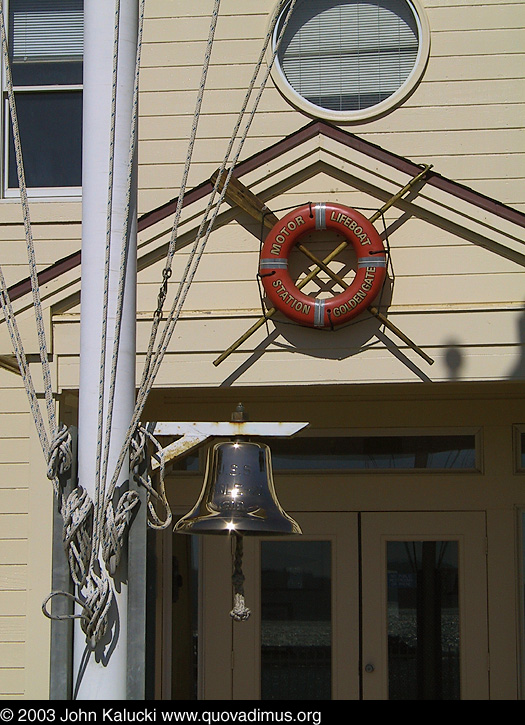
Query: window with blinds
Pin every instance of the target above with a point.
(348, 55)
(46, 51)
(46, 30)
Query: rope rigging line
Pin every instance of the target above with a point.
(50, 406)
(154, 359)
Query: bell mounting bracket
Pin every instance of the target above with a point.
(193, 435)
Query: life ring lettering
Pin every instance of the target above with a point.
(284, 294)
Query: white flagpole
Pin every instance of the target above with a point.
(101, 674)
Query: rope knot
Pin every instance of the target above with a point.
(60, 455)
(116, 522)
(98, 600)
(76, 532)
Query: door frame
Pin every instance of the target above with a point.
(469, 529)
(230, 651)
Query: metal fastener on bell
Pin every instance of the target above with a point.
(238, 494)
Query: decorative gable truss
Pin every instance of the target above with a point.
(454, 287)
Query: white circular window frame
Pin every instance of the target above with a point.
(364, 114)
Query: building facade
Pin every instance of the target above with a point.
(407, 582)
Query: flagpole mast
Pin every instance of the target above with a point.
(101, 673)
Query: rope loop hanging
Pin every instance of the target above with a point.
(240, 612)
(138, 459)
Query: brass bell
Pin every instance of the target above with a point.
(238, 495)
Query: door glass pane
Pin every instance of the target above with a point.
(423, 620)
(296, 620)
(185, 617)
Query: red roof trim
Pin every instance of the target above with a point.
(315, 128)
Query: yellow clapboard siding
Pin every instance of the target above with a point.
(165, 9)
(452, 16)
(14, 475)
(12, 654)
(465, 289)
(393, 362)
(15, 425)
(229, 27)
(13, 501)
(432, 259)
(13, 577)
(14, 450)
(12, 628)
(13, 525)
(201, 334)
(13, 551)
(12, 681)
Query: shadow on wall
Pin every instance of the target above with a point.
(454, 357)
(453, 360)
(518, 372)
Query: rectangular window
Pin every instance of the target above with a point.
(397, 452)
(45, 52)
(455, 452)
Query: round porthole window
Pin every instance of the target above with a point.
(347, 60)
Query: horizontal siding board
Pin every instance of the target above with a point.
(12, 603)
(453, 259)
(12, 681)
(391, 361)
(211, 334)
(12, 654)
(13, 577)
(172, 101)
(14, 475)
(166, 9)
(13, 524)
(466, 40)
(469, 41)
(15, 425)
(13, 551)
(13, 501)
(482, 17)
(12, 629)
(14, 450)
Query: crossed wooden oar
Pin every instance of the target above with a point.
(241, 196)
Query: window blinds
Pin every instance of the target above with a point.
(46, 30)
(349, 54)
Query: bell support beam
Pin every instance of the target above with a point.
(195, 434)
(240, 195)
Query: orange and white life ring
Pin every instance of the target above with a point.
(283, 293)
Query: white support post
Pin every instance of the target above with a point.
(101, 675)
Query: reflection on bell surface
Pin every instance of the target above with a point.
(238, 495)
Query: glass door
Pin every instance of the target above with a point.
(361, 606)
(424, 615)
